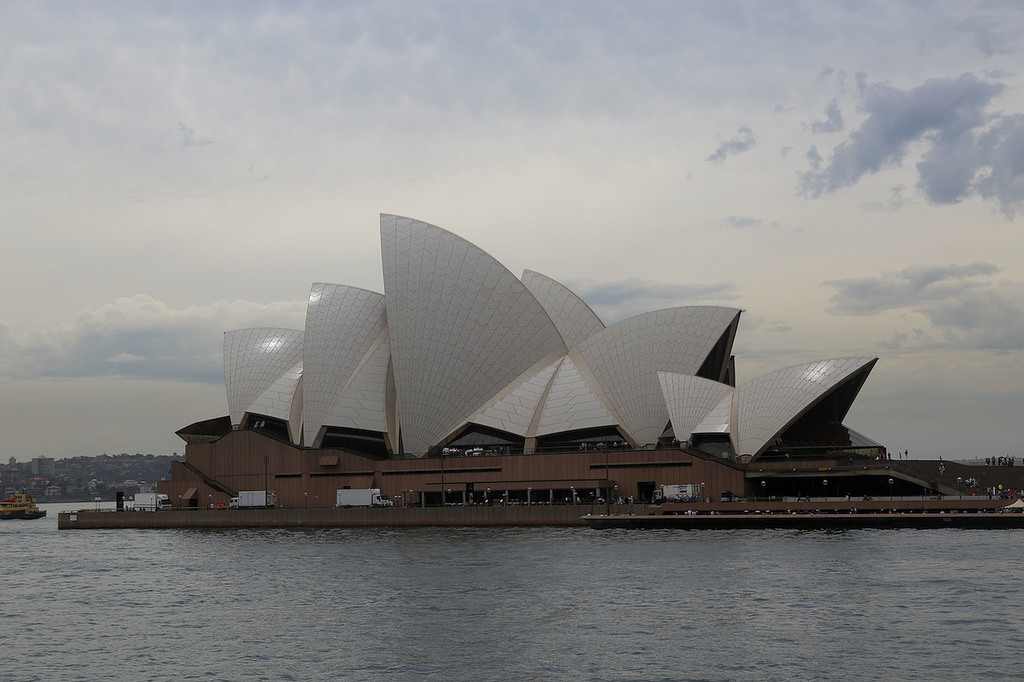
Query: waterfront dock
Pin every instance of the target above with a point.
(964, 512)
(332, 517)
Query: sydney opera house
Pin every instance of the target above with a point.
(464, 384)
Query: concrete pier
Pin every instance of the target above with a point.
(330, 517)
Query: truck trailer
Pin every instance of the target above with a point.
(362, 497)
(678, 492)
(152, 502)
(254, 499)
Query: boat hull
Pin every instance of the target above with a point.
(24, 516)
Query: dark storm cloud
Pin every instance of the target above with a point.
(968, 151)
(963, 302)
(742, 141)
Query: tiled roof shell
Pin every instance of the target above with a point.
(345, 326)
(770, 403)
(261, 371)
(462, 327)
(626, 357)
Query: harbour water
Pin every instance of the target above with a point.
(509, 604)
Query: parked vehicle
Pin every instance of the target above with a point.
(152, 502)
(254, 499)
(362, 497)
(678, 492)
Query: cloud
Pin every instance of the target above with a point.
(833, 122)
(968, 151)
(189, 139)
(739, 143)
(894, 203)
(962, 302)
(988, 38)
(742, 222)
(616, 301)
(140, 337)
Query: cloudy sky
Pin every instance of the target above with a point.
(851, 175)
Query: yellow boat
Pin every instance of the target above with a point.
(20, 505)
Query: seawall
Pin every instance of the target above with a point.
(537, 515)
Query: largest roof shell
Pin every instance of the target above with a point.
(462, 327)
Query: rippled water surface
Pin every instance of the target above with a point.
(509, 604)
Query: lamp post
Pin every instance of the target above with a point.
(305, 500)
(824, 484)
(890, 489)
(572, 494)
(764, 486)
(529, 492)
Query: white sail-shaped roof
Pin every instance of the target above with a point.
(462, 328)
(720, 418)
(283, 400)
(514, 411)
(690, 399)
(625, 359)
(575, 321)
(363, 402)
(256, 360)
(344, 327)
(767, 405)
(571, 404)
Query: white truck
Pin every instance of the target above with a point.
(678, 492)
(362, 497)
(152, 502)
(254, 499)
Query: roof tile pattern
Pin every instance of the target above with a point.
(575, 321)
(571, 405)
(462, 327)
(254, 360)
(343, 326)
(626, 357)
(283, 400)
(690, 399)
(514, 412)
(770, 403)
